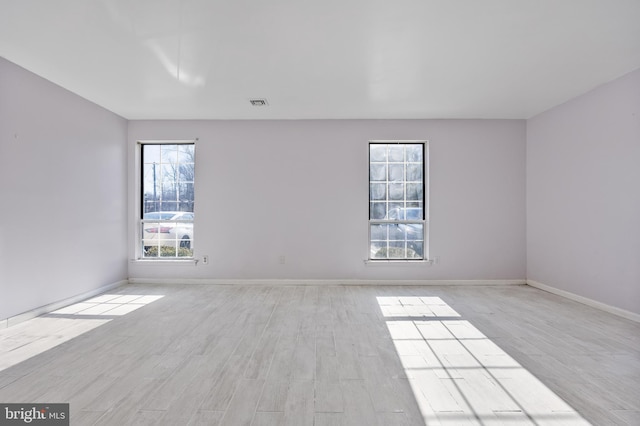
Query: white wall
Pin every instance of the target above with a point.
(63, 227)
(300, 189)
(583, 195)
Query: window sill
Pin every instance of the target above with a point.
(182, 262)
(398, 262)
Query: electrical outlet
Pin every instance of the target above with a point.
(205, 260)
(281, 259)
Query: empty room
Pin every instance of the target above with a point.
(422, 212)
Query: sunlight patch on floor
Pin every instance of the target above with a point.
(459, 376)
(35, 336)
(108, 305)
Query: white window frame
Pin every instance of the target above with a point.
(140, 221)
(425, 204)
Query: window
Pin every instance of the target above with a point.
(167, 197)
(397, 219)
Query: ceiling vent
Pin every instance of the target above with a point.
(258, 102)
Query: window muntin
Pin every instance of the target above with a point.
(167, 200)
(397, 222)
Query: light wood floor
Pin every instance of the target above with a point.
(385, 355)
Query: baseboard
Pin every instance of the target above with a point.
(302, 282)
(8, 322)
(586, 301)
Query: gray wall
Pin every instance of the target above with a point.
(63, 226)
(300, 189)
(583, 195)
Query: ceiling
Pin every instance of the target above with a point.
(204, 59)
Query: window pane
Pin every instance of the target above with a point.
(398, 208)
(378, 191)
(151, 186)
(414, 231)
(396, 250)
(168, 154)
(378, 250)
(378, 172)
(397, 214)
(377, 153)
(414, 191)
(415, 250)
(414, 172)
(152, 154)
(396, 232)
(396, 191)
(168, 205)
(377, 210)
(185, 197)
(169, 173)
(413, 213)
(414, 153)
(379, 232)
(185, 153)
(396, 172)
(396, 153)
(186, 173)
